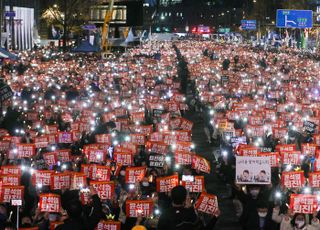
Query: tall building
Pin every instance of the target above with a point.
(20, 23)
(178, 15)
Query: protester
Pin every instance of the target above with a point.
(88, 143)
(181, 215)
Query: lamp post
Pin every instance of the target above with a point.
(13, 43)
(65, 32)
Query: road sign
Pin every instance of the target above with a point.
(10, 14)
(224, 30)
(249, 24)
(89, 27)
(294, 19)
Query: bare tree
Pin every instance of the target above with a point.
(70, 15)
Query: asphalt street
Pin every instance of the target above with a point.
(213, 183)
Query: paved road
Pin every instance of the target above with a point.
(214, 185)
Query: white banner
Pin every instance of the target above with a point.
(253, 170)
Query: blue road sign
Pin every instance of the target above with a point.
(249, 24)
(10, 14)
(294, 19)
(89, 27)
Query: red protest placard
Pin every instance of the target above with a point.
(4, 146)
(32, 116)
(293, 179)
(85, 196)
(201, 164)
(96, 155)
(99, 172)
(183, 146)
(51, 158)
(52, 139)
(255, 120)
(144, 129)
(183, 158)
(25, 150)
(285, 147)
(105, 190)
(41, 142)
(279, 132)
(87, 148)
(108, 225)
(255, 131)
(135, 174)
(308, 149)
(64, 155)
(169, 138)
(165, 184)
(49, 202)
(42, 177)
(316, 139)
(207, 203)
(172, 106)
(178, 97)
(196, 186)
(13, 180)
(314, 179)
(52, 129)
(65, 137)
(103, 138)
(129, 145)
(186, 124)
(156, 137)
(122, 149)
(135, 208)
(137, 117)
(13, 139)
(138, 139)
(126, 159)
(60, 181)
(11, 169)
(248, 150)
(274, 158)
(158, 147)
(183, 136)
(78, 180)
(85, 168)
(291, 158)
(302, 203)
(9, 193)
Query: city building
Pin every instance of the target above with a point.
(20, 23)
(182, 15)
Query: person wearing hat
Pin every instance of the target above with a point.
(139, 227)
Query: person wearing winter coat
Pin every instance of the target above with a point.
(297, 222)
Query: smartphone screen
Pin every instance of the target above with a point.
(189, 178)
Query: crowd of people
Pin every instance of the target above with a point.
(89, 143)
(259, 103)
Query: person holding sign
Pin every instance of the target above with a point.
(181, 215)
(297, 221)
